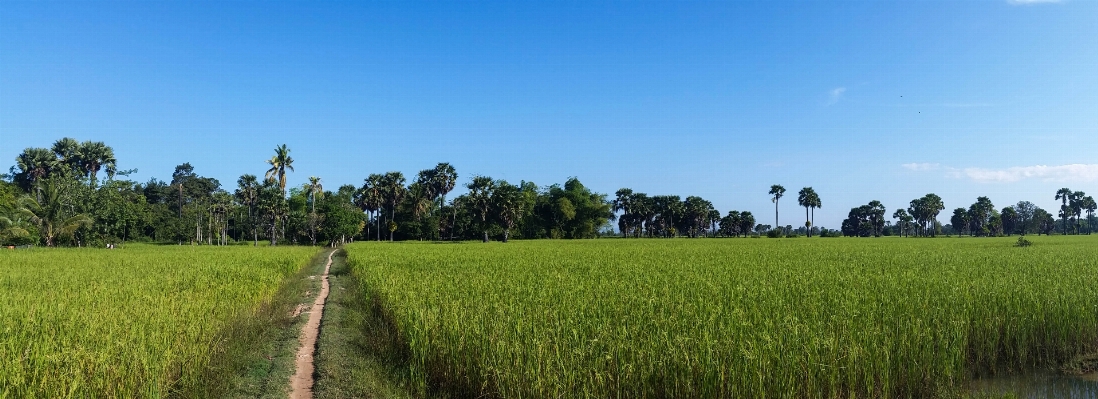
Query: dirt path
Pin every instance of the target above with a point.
(301, 383)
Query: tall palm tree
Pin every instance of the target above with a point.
(393, 191)
(35, 164)
(247, 193)
(1090, 206)
(370, 198)
(816, 203)
(806, 198)
(445, 178)
(279, 163)
(53, 214)
(480, 194)
(67, 151)
(1064, 194)
(95, 155)
(777, 191)
(315, 189)
(1076, 205)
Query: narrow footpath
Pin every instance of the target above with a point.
(301, 383)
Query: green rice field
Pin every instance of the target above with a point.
(786, 318)
(145, 321)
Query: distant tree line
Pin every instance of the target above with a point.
(56, 196)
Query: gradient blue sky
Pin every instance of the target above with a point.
(862, 100)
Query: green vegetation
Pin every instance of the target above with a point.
(729, 318)
(147, 321)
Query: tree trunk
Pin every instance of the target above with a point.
(776, 214)
(485, 239)
(808, 229)
(506, 232)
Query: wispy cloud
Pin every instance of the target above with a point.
(919, 167)
(1056, 173)
(1029, 2)
(836, 95)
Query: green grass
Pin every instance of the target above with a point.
(146, 321)
(883, 317)
(355, 356)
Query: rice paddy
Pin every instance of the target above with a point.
(789, 318)
(141, 322)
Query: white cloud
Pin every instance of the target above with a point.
(1058, 173)
(1028, 2)
(921, 166)
(836, 95)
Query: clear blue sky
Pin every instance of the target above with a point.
(862, 100)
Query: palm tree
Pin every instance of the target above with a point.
(67, 151)
(816, 203)
(507, 199)
(36, 163)
(623, 203)
(314, 189)
(95, 155)
(279, 163)
(445, 178)
(393, 191)
(1076, 205)
(1064, 194)
(902, 218)
(370, 199)
(806, 198)
(53, 214)
(480, 194)
(777, 191)
(247, 193)
(1090, 206)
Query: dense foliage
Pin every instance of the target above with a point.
(54, 196)
(731, 318)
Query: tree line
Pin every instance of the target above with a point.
(55, 196)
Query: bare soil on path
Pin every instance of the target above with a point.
(301, 383)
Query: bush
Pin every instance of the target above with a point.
(774, 234)
(1022, 242)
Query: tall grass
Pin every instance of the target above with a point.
(732, 318)
(141, 322)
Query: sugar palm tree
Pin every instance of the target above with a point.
(480, 194)
(94, 156)
(67, 151)
(315, 189)
(445, 178)
(279, 163)
(1064, 194)
(1090, 206)
(369, 198)
(393, 191)
(806, 198)
(777, 191)
(35, 164)
(247, 193)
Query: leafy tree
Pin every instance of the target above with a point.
(1009, 218)
(746, 221)
(342, 219)
(1025, 211)
(925, 211)
(979, 216)
(777, 191)
(510, 204)
(1043, 221)
(865, 220)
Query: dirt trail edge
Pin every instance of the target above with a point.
(301, 383)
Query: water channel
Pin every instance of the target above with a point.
(1040, 385)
